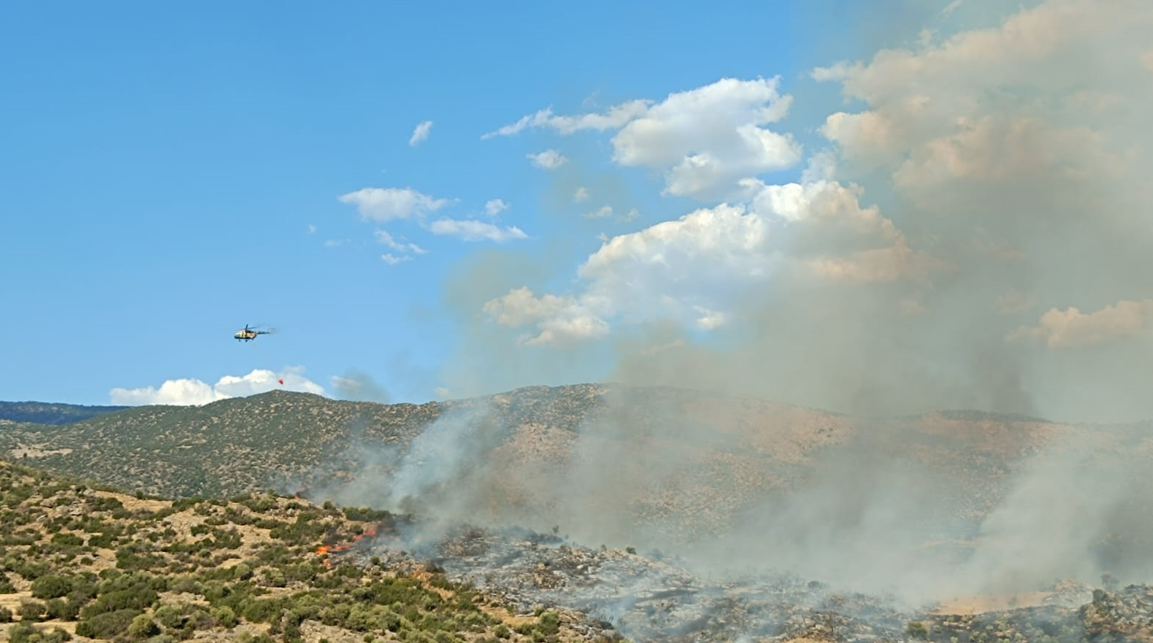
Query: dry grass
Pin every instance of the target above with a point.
(970, 605)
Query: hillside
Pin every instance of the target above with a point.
(672, 451)
(689, 454)
(665, 470)
(228, 447)
(83, 563)
(49, 413)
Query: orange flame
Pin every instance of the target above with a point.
(324, 550)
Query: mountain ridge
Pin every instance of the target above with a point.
(20, 411)
(52, 412)
(735, 482)
(734, 449)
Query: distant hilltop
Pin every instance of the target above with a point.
(50, 413)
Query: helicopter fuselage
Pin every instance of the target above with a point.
(248, 334)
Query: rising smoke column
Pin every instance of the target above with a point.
(970, 234)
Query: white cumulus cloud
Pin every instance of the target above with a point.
(705, 139)
(559, 320)
(387, 239)
(548, 159)
(1071, 328)
(709, 138)
(420, 134)
(693, 269)
(614, 118)
(495, 207)
(1004, 102)
(386, 204)
(472, 230)
(194, 392)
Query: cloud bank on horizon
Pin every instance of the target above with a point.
(195, 392)
(971, 229)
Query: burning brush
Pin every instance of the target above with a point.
(370, 532)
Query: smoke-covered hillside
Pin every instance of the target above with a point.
(923, 507)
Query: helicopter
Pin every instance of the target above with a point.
(249, 334)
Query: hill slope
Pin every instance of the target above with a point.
(668, 448)
(660, 468)
(49, 413)
(285, 439)
(101, 565)
(89, 564)
(227, 447)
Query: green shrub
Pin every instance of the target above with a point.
(31, 571)
(273, 577)
(237, 517)
(365, 514)
(183, 583)
(32, 610)
(67, 540)
(134, 557)
(305, 571)
(106, 625)
(84, 588)
(6, 586)
(224, 615)
(226, 539)
(362, 618)
(102, 503)
(136, 599)
(260, 505)
(23, 633)
(389, 620)
(142, 627)
(169, 616)
(58, 608)
(549, 623)
(103, 540)
(263, 610)
(51, 586)
(242, 572)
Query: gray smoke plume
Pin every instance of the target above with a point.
(360, 386)
(970, 232)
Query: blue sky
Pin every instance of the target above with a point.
(751, 197)
(164, 165)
